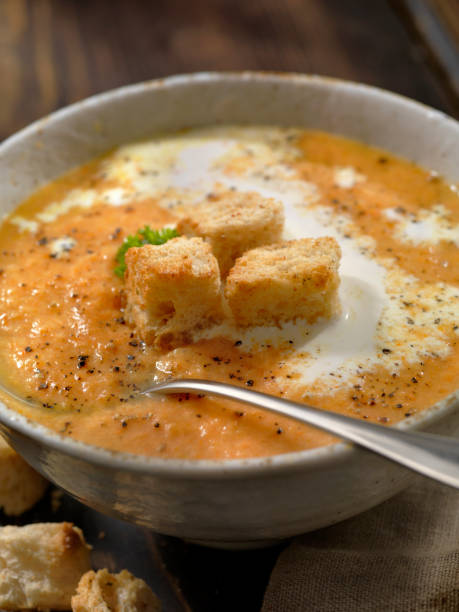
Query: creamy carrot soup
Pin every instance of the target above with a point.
(390, 353)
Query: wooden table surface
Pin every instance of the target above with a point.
(55, 52)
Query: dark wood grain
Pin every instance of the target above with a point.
(434, 28)
(54, 52)
(448, 12)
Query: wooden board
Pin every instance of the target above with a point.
(53, 53)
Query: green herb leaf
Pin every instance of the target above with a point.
(146, 235)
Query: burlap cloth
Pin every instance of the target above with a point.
(402, 556)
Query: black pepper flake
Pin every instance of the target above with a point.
(399, 406)
(386, 351)
(124, 424)
(410, 321)
(156, 425)
(238, 343)
(81, 361)
(217, 359)
(249, 382)
(131, 357)
(28, 349)
(133, 343)
(279, 431)
(414, 380)
(116, 368)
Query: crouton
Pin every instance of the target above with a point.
(105, 592)
(41, 565)
(233, 223)
(172, 290)
(285, 281)
(20, 486)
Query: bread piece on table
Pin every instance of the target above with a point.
(172, 290)
(40, 565)
(20, 486)
(285, 281)
(104, 592)
(233, 223)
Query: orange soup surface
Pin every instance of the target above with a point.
(390, 353)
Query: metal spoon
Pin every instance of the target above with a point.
(434, 456)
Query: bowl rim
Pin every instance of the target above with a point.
(205, 468)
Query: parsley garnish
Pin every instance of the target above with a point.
(142, 237)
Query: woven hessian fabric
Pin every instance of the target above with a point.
(402, 556)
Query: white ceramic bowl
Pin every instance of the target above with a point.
(242, 502)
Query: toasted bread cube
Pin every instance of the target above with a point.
(233, 223)
(285, 281)
(104, 592)
(172, 290)
(41, 565)
(20, 486)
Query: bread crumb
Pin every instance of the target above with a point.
(234, 222)
(41, 565)
(20, 486)
(56, 499)
(172, 290)
(104, 592)
(285, 281)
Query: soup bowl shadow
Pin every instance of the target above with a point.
(237, 503)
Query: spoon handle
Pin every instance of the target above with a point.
(431, 455)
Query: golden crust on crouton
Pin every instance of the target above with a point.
(285, 281)
(172, 290)
(41, 565)
(233, 223)
(20, 486)
(104, 592)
